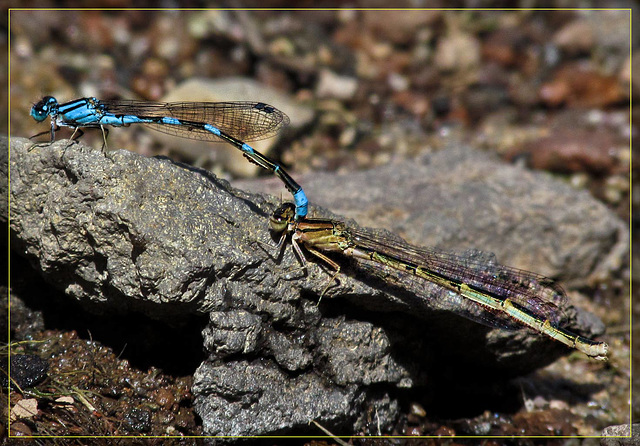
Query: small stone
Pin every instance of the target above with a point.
(575, 36)
(458, 52)
(27, 408)
(19, 429)
(331, 85)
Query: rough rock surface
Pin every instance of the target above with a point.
(122, 232)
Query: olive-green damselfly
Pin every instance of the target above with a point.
(511, 296)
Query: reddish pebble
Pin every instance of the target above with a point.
(582, 87)
(164, 398)
(444, 431)
(19, 429)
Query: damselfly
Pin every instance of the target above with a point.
(496, 291)
(233, 122)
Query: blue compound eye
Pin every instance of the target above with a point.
(43, 108)
(38, 112)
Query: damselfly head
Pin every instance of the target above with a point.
(282, 216)
(47, 106)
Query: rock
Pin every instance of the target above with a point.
(621, 435)
(457, 52)
(122, 232)
(331, 85)
(26, 371)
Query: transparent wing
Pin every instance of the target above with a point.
(537, 294)
(245, 121)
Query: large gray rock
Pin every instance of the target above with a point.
(123, 232)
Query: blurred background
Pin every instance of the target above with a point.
(550, 88)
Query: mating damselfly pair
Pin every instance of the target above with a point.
(503, 293)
